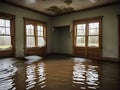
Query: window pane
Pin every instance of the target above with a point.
(81, 26)
(38, 27)
(7, 23)
(93, 32)
(29, 29)
(30, 42)
(40, 33)
(8, 31)
(80, 41)
(30, 32)
(2, 22)
(5, 42)
(81, 32)
(93, 41)
(81, 29)
(41, 41)
(94, 25)
(40, 30)
(30, 26)
(2, 30)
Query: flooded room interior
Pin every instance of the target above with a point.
(59, 44)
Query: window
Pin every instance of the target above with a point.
(87, 36)
(80, 37)
(30, 36)
(35, 33)
(93, 34)
(6, 32)
(5, 35)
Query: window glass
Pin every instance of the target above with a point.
(81, 29)
(40, 30)
(87, 35)
(8, 31)
(94, 25)
(30, 26)
(35, 34)
(94, 28)
(93, 41)
(81, 26)
(80, 41)
(93, 31)
(2, 22)
(5, 42)
(5, 38)
(30, 42)
(2, 30)
(30, 29)
(41, 41)
(7, 23)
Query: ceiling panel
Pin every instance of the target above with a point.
(55, 7)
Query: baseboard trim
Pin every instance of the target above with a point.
(59, 54)
(71, 55)
(110, 59)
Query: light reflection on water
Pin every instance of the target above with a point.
(30, 71)
(7, 71)
(85, 75)
(77, 72)
(35, 76)
(41, 75)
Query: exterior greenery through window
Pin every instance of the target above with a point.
(35, 33)
(6, 32)
(87, 33)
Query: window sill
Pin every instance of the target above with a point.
(4, 50)
(35, 47)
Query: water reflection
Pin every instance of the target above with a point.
(59, 74)
(85, 75)
(36, 76)
(7, 71)
(41, 75)
(92, 77)
(30, 71)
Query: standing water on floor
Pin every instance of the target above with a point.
(59, 74)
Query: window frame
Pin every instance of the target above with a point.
(87, 21)
(10, 52)
(35, 23)
(11, 18)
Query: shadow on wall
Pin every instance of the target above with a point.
(62, 39)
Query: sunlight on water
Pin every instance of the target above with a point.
(30, 71)
(58, 74)
(86, 76)
(7, 71)
(41, 75)
(35, 76)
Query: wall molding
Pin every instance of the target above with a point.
(71, 55)
(110, 59)
(54, 53)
